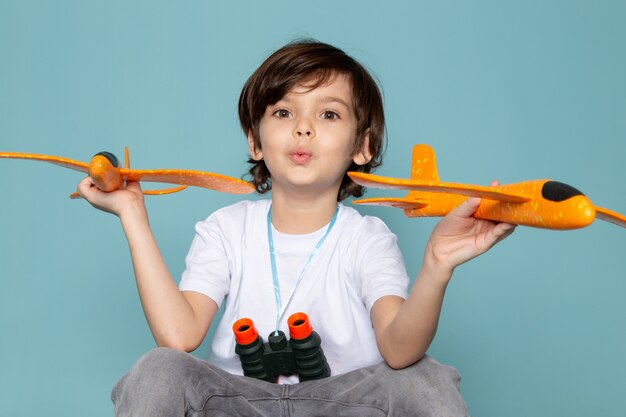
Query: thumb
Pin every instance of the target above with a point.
(84, 186)
(133, 185)
(466, 208)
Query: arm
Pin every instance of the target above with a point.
(177, 320)
(405, 328)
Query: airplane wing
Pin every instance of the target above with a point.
(610, 216)
(489, 192)
(57, 160)
(203, 179)
(401, 203)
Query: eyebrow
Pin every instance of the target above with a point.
(331, 99)
(324, 99)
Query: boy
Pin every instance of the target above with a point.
(310, 113)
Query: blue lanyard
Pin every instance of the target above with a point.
(280, 308)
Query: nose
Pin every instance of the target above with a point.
(304, 128)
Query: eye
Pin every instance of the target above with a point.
(330, 115)
(281, 113)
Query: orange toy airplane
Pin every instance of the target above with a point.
(541, 203)
(107, 174)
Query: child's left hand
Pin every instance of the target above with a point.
(459, 237)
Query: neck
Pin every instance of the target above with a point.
(299, 215)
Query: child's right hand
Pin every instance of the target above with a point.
(116, 202)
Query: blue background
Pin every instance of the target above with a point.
(506, 90)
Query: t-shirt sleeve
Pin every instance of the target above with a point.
(379, 263)
(207, 263)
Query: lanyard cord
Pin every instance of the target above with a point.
(280, 308)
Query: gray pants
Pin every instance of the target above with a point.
(167, 382)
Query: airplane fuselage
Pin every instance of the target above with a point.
(572, 211)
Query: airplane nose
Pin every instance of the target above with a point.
(588, 213)
(580, 212)
(104, 171)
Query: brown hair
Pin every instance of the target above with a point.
(310, 60)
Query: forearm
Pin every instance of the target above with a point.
(170, 316)
(407, 337)
(405, 330)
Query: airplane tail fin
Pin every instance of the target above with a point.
(423, 168)
(424, 164)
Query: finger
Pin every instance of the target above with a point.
(466, 208)
(84, 186)
(495, 183)
(502, 231)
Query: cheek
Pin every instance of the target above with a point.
(344, 143)
(262, 132)
(270, 133)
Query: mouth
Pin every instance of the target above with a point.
(300, 157)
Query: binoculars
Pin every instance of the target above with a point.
(301, 355)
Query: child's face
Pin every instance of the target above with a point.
(308, 136)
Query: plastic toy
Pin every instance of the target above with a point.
(105, 170)
(540, 203)
(302, 355)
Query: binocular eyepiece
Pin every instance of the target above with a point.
(301, 355)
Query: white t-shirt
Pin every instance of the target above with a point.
(358, 263)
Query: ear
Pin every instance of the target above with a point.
(363, 155)
(255, 153)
